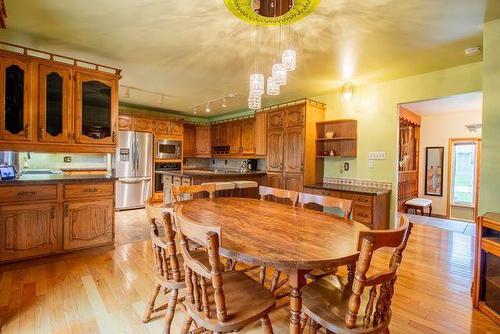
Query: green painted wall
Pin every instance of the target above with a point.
(489, 194)
(147, 111)
(376, 109)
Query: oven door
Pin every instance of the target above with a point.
(168, 149)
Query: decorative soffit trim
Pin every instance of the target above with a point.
(244, 10)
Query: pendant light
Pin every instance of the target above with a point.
(256, 82)
(273, 87)
(289, 56)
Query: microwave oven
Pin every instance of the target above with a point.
(169, 149)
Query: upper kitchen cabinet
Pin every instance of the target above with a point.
(125, 122)
(54, 108)
(96, 110)
(248, 136)
(202, 135)
(234, 137)
(15, 99)
(189, 141)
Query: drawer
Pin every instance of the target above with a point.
(88, 190)
(365, 200)
(28, 193)
(322, 192)
(347, 196)
(362, 214)
(186, 181)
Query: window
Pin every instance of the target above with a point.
(463, 181)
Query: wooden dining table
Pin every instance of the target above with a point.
(290, 239)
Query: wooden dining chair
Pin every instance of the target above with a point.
(278, 193)
(169, 271)
(345, 205)
(335, 305)
(183, 193)
(219, 301)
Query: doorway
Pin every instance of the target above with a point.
(439, 148)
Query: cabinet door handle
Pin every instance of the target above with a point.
(53, 212)
(66, 210)
(27, 131)
(114, 136)
(26, 193)
(42, 133)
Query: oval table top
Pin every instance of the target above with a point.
(266, 233)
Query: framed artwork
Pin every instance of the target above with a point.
(434, 170)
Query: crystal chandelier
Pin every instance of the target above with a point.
(273, 87)
(279, 73)
(256, 84)
(289, 59)
(254, 102)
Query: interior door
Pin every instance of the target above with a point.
(275, 151)
(54, 108)
(15, 108)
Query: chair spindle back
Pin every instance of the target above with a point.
(278, 193)
(185, 193)
(327, 202)
(368, 242)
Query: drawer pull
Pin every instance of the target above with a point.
(362, 215)
(26, 193)
(326, 193)
(90, 190)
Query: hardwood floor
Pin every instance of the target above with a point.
(105, 291)
(453, 225)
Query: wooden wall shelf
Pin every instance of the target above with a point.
(344, 140)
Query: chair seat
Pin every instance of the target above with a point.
(221, 185)
(325, 301)
(246, 302)
(245, 184)
(423, 202)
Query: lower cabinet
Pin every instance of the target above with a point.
(87, 224)
(27, 230)
(275, 180)
(294, 181)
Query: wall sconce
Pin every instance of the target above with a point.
(347, 91)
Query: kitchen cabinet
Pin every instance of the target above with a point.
(275, 119)
(162, 127)
(370, 209)
(234, 137)
(189, 141)
(143, 124)
(248, 136)
(125, 122)
(275, 151)
(293, 150)
(176, 128)
(54, 105)
(88, 223)
(219, 134)
(202, 135)
(15, 100)
(275, 180)
(260, 135)
(96, 110)
(27, 230)
(291, 138)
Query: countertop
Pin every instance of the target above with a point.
(210, 172)
(58, 178)
(349, 188)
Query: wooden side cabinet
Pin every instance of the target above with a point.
(88, 223)
(27, 230)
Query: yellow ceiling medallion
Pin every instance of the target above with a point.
(249, 11)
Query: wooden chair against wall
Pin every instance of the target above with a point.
(278, 193)
(183, 193)
(219, 301)
(327, 202)
(336, 307)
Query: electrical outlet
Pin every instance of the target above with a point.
(370, 163)
(67, 158)
(346, 166)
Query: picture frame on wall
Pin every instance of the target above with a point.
(434, 158)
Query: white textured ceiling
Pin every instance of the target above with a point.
(470, 102)
(195, 50)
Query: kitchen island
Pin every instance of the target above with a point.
(55, 213)
(199, 176)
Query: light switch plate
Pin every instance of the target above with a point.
(376, 155)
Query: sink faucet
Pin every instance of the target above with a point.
(244, 167)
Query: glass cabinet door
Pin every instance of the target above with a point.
(15, 109)
(54, 107)
(96, 110)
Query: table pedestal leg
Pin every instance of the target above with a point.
(296, 280)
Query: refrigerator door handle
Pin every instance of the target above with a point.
(136, 142)
(134, 180)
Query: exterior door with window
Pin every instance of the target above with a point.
(463, 178)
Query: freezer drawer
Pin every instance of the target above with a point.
(132, 193)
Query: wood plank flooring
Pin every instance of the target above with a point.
(105, 291)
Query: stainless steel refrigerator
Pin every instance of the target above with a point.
(133, 167)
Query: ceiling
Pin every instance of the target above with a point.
(470, 102)
(194, 51)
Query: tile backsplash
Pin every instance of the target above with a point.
(35, 160)
(359, 183)
(221, 163)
